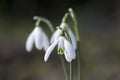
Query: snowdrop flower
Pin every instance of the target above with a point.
(56, 34)
(39, 38)
(64, 47)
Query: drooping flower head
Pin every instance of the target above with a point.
(57, 33)
(62, 38)
(37, 37)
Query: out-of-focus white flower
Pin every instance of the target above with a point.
(37, 37)
(56, 34)
(64, 47)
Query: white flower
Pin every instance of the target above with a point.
(39, 38)
(64, 47)
(56, 34)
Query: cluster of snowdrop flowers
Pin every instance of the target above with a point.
(37, 37)
(65, 39)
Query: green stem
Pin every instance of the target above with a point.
(38, 21)
(64, 68)
(72, 14)
(78, 60)
(65, 17)
(71, 73)
(45, 21)
(49, 24)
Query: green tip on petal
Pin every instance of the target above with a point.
(60, 51)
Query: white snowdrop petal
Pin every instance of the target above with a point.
(69, 49)
(49, 50)
(68, 54)
(67, 57)
(30, 41)
(38, 38)
(72, 38)
(55, 35)
(45, 41)
(61, 44)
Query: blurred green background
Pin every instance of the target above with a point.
(99, 27)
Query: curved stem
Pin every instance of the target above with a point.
(65, 17)
(77, 38)
(45, 21)
(72, 14)
(48, 23)
(38, 20)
